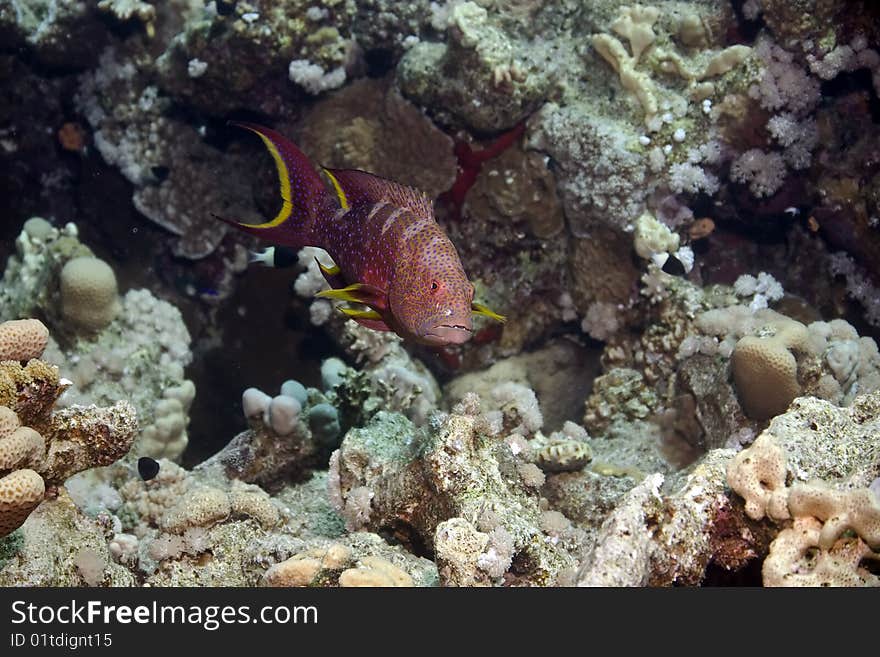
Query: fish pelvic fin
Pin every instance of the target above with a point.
(332, 274)
(302, 192)
(485, 311)
(353, 313)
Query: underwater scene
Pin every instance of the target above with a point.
(375, 293)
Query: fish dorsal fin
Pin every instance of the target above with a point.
(355, 187)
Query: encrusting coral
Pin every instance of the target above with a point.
(815, 549)
(108, 346)
(336, 565)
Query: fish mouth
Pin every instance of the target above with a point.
(449, 334)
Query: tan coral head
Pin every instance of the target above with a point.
(765, 369)
(20, 493)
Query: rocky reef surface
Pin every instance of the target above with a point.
(676, 206)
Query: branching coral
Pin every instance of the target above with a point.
(635, 23)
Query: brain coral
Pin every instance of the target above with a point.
(22, 339)
(89, 295)
(765, 369)
(20, 493)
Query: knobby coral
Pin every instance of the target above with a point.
(39, 447)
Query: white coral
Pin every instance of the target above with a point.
(763, 172)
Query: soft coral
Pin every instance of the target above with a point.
(470, 162)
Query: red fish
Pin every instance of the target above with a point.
(390, 254)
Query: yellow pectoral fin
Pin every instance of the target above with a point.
(357, 293)
(342, 294)
(480, 309)
(360, 314)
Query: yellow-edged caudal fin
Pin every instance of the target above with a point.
(283, 180)
(480, 309)
(360, 314)
(340, 194)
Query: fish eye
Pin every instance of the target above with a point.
(434, 285)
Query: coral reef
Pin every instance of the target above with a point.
(664, 534)
(369, 126)
(447, 490)
(109, 347)
(478, 58)
(676, 206)
(39, 447)
(814, 550)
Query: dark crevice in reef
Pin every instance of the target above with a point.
(748, 575)
(858, 81)
(380, 62)
(747, 29)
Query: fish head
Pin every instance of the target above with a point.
(430, 297)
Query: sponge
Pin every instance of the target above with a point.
(795, 561)
(858, 510)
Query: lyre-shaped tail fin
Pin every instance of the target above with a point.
(303, 194)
